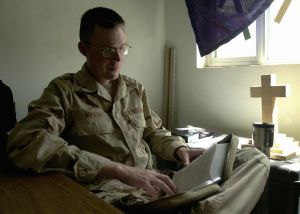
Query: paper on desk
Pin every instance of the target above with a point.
(206, 142)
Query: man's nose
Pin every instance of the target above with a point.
(117, 56)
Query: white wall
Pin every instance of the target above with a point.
(38, 41)
(219, 98)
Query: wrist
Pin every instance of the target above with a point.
(112, 171)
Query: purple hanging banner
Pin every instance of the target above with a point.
(216, 22)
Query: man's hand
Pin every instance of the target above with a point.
(152, 182)
(186, 155)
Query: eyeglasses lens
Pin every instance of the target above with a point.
(109, 52)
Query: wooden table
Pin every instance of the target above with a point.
(47, 193)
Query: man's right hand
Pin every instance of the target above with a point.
(150, 181)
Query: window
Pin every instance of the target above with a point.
(270, 42)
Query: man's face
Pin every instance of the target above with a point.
(104, 69)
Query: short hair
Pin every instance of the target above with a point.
(104, 17)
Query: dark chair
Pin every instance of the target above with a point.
(7, 120)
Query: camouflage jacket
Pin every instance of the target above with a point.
(76, 127)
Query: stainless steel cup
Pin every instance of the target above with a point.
(263, 136)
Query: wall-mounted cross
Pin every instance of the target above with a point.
(268, 93)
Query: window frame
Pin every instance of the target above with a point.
(261, 58)
(212, 61)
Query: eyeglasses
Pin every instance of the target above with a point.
(109, 52)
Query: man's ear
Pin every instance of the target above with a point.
(82, 48)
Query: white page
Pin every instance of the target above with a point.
(207, 168)
(197, 172)
(219, 160)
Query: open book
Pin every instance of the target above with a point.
(200, 178)
(206, 169)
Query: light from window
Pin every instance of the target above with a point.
(233, 48)
(270, 42)
(283, 38)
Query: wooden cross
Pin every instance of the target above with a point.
(268, 93)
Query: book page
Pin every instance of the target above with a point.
(196, 173)
(206, 169)
(218, 162)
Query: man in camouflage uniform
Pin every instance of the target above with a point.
(97, 126)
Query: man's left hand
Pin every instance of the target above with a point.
(186, 155)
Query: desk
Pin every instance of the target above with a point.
(282, 191)
(284, 186)
(50, 193)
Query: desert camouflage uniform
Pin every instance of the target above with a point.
(76, 127)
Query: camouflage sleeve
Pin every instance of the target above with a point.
(160, 140)
(36, 143)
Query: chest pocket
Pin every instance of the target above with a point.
(137, 119)
(92, 123)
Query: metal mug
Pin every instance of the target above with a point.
(263, 136)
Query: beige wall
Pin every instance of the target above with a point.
(219, 98)
(38, 41)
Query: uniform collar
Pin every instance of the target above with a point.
(88, 84)
(121, 89)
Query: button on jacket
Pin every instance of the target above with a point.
(76, 127)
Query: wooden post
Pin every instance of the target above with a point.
(169, 84)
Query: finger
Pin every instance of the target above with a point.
(183, 154)
(199, 151)
(185, 159)
(151, 191)
(194, 153)
(163, 186)
(158, 183)
(171, 187)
